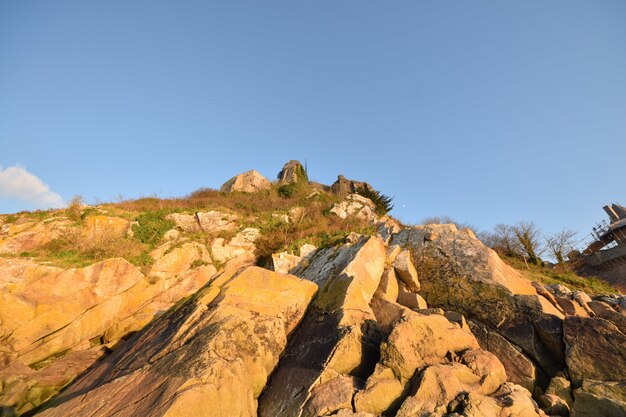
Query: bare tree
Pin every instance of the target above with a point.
(528, 237)
(560, 244)
(503, 239)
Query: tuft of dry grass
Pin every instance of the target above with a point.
(76, 249)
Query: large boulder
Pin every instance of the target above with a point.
(248, 182)
(595, 349)
(459, 273)
(210, 356)
(331, 341)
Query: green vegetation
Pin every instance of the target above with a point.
(381, 201)
(151, 227)
(560, 275)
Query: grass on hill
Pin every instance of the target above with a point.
(560, 275)
(260, 210)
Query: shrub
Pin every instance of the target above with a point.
(152, 226)
(381, 201)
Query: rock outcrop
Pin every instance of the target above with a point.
(407, 321)
(293, 171)
(356, 206)
(209, 356)
(248, 182)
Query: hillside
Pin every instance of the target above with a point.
(291, 298)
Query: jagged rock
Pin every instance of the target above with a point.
(604, 311)
(307, 249)
(240, 247)
(510, 400)
(406, 271)
(332, 338)
(355, 205)
(284, 262)
(466, 276)
(388, 287)
(561, 387)
(343, 186)
(173, 261)
(216, 221)
(330, 396)
(411, 300)
(583, 300)
(600, 398)
(553, 405)
(519, 369)
(185, 222)
(292, 171)
(595, 349)
(542, 290)
(248, 182)
(560, 290)
(570, 307)
(415, 342)
(210, 356)
(458, 318)
(439, 385)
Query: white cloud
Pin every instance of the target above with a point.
(16, 182)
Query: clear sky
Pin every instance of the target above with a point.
(486, 111)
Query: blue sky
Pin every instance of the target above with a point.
(486, 111)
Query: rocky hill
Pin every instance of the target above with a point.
(288, 298)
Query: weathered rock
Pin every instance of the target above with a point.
(415, 342)
(27, 388)
(241, 247)
(98, 226)
(519, 369)
(600, 398)
(307, 249)
(561, 387)
(46, 313)
(355, 205)
(210, 356)
(595, 349)
(330, 396)
(406, 271)
(292, 171)
(284, 262)
(411, 300)
(510, 400)
(248, 182)
(554, 405)
(570, 307)
(332, 339)
(173, 261)
(16, 238)
(216, 221)
(388, 287)
(465, 276)
(604, 311)
(185, 222)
